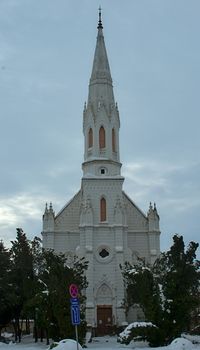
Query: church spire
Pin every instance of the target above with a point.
(101, 117)
(101, 69)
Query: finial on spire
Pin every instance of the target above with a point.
(100, 23)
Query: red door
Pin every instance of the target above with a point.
(104, 319)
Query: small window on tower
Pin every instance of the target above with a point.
(103, 171)
(90, 138)
(113, 140)
(102, 137)
(103, 209)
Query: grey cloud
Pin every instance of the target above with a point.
(47, 50)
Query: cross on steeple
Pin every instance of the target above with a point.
(100, 22)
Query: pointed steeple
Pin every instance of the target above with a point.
(101, 117)
(101, 69)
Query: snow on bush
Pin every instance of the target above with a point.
(136, 331)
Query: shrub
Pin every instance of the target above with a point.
(139, 331)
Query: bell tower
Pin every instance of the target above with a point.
(103, 236)
(101, 117)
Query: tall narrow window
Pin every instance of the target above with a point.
(90, 138)
(103, 209)
(113, 140)
(102, 137)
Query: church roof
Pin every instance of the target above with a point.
(134, 205)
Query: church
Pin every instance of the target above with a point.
(101, 222)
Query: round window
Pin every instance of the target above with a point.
(104, 253)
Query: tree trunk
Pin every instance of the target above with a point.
(35, 332)
(41, 335)
(47, 333)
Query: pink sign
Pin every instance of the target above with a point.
(73, 290)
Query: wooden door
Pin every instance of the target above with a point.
(104, 319)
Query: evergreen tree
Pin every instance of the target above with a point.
(32, 303)
(143, 289)
(179, 273)
(168, 292)
(52, 301)
(6, 290)
(39, 281)
(22, 278)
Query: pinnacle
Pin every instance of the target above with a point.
(100, 22)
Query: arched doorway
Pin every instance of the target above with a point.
(104, 310)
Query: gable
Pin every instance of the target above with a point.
(136, 219)
(68, 219)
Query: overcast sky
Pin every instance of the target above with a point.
(46, 55)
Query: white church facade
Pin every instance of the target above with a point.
(101, 223)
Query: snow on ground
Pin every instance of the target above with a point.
(105, 343)
(68, 344)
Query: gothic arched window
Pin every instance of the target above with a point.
(113, 140)
(103, 209)
(102, 137)
(90, 138)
